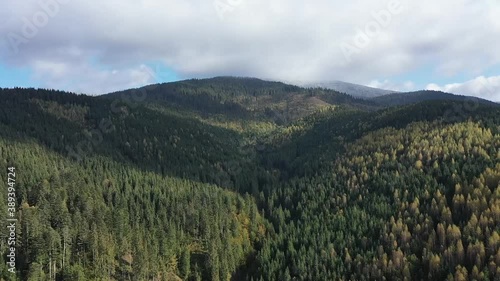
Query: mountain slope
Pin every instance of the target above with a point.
(246, 98)
(393, 205)
(396, 99)
(355, 90)
(163, 186)
(125, 200)
(386, 194)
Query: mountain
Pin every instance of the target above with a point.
(106, 191)
(396, 99)
(244, 179)
(378, 195)
(244, 97)
(355, 90)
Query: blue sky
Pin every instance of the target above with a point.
(158, 72)
(88, 47)
(16, 77)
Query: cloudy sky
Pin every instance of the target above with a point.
(96, 47)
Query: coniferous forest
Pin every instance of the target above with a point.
(243, 179)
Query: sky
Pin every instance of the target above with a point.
(96, 47)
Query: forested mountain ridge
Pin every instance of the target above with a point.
(154, 184)
(354, 90)
(396, 99)
(359, 181)
(90, 210)
(244, 98)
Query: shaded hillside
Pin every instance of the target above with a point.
(118, 213)
(164, 142)
(419, 96)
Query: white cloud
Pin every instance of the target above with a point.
(84, 78)
(278, 39)
(483, 87)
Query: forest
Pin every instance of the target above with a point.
(243, 179)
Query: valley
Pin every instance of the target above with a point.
(244, 179)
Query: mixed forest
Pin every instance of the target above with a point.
(243, 179)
